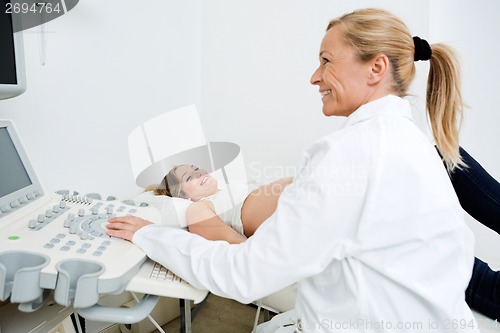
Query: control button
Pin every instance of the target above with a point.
(73, 228)
(23, 200)
(93, 196)
(30, 196)
(62, 204)
(5, 209)
(96, 233)
(102, 248)
(81, 251)
(15, 204)
(48, 213)
(65, 248)
(61, 236)
(109, 210)
(55, 240)
(32, 223)
(81, 212)
(55, 209)
(106, 243)
(67, 223)
(70, 243)
(48, 246)
(133, 211)
(13, 238)
(97, 253)
(84, 235)
(41, 218)
(95, 210)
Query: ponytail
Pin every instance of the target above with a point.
(444, 104)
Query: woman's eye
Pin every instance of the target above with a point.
(324, 61)
(188, 178)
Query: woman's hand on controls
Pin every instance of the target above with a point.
(125, 226)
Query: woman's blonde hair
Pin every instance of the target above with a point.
(372, 32)
(169, 186)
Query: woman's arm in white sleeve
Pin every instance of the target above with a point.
(313, 224)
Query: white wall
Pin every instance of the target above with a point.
(471, 27)
(110, 66)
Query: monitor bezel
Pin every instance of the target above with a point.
(36, 186)
(13, 90)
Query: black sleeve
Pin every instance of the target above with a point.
(477, 191)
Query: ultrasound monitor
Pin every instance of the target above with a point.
(12, 71)
(18, 182)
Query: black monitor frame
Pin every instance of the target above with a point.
(31, 191)
(11, 41)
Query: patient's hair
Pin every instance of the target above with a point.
(372, 32)
(170, 185)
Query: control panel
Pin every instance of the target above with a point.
(59, 242)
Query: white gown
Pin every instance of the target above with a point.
(371, 230)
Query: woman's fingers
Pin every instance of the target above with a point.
(125, 226)
(123, 234)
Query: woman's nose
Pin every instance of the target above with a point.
(316, 77)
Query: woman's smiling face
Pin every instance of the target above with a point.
(196, 183)
(341, 76)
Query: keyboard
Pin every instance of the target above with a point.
(160, 272)
(155, 279)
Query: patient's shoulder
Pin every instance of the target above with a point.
(201, 206)
(200, 211)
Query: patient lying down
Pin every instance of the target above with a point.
(206, 217)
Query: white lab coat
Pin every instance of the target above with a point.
(371, 230)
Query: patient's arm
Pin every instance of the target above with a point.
(478, 192)
(203, 221)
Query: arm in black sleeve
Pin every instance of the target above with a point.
(478, 192)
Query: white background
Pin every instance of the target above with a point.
(111, 65)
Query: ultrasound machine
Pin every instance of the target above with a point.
(54, 246)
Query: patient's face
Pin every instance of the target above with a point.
(196, 183)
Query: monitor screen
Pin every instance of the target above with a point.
(13, 175)
(12, 72)
(18, 179)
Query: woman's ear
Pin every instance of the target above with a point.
(378, 69)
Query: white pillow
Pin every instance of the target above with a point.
(172, 210)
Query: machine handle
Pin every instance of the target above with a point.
(120, 315)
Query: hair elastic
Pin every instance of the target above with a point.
(423, 50)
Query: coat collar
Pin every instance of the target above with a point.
(387, 105)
